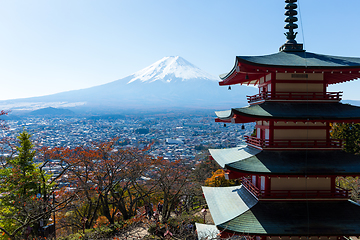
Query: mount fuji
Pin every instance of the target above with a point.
(171, 82)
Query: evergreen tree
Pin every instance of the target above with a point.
(24, 177)
(349, 133)
(20, 184)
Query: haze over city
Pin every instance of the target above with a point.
(55, 46)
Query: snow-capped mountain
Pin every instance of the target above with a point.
(171, 82)
(170, 69)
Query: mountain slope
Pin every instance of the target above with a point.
(171, 82)
(171, 69)
(52, 111)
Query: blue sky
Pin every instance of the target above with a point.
(50, 46)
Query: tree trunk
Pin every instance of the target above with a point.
(105, 208)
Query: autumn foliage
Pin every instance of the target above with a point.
(218, 179)
(107, 182)
(95, 185)
(109, 185)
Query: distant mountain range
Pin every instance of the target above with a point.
(169, 84)
(50, 111)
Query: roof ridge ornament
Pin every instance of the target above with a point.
(291, 45)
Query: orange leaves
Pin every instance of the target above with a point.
(101, 221)
(100, 173)
(218, 179)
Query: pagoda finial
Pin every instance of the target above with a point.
(290, 20)
(290, 13)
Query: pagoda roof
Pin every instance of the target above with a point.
(230, 155)
(298, 218)
(271, 162)
(291, 111)
(248, 69)
(236, 210)
(226, 203)
(301, 60)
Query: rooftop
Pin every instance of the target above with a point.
(248, 69)
(291, 111)
(311, 163)
(298, 218)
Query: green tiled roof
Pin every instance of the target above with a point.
(229, 155)
(301, 59)
(298, 218)
(297, 163)
(224, 114)
(225, 203)
(301, 111)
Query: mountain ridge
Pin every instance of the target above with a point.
(176, 66)
(171, 82)
(51, 111)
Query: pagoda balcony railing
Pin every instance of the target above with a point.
(293, 143)
(296, 96)
(250, 187)
(300, 194)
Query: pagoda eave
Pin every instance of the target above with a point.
(249, 69)
(291, 112)
(288, 174)
(247, 160)
(236, 210)
(332, 75)
(236, 119)
(297, 218)
(246, 119)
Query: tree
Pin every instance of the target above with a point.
(120, 180)
(25, 193)
(105, 181)
(349, 133)
(172, 178)
(218, 179)
(20, 183)
(204, 169)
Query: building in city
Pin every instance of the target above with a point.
(289, 167)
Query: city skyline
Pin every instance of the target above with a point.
(55, 46)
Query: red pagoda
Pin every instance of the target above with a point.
(289, 167)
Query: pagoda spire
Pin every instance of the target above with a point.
(290, 20)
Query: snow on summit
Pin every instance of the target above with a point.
(169, 69)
